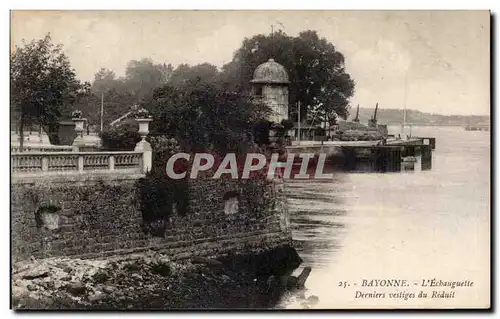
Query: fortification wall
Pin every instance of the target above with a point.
(95, 217)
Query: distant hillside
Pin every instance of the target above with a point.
(395, 116)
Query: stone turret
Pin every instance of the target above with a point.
(270, 83)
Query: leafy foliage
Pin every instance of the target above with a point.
(216, 117)
(163, 148)
(119, 94)
(105, 80)
(122, 138)
(204, 116)
(287, 124)
(198, 105)
(43, 85)
(141, 78)
(161, 198)
(190, 75)
(315, 68)
(260, 131)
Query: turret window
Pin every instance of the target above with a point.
(258, 91)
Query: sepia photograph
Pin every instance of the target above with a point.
(250, 159)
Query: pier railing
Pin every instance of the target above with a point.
(57, 163)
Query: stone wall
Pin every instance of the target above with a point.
(93, 217)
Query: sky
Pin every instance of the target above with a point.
(439, 60)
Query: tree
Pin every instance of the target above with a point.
(122, 138)
(43, 85)
(142, 77)
(117, 104)
(104, 80)
(315, 68)
(203, 116)
(185, 74)
(89, 105)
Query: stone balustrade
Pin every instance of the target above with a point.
(61, 163)
(42, 148)
(40, 160)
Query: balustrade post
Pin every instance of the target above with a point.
(111, 162)
(45, 164)
(143, 146)
(80, 163)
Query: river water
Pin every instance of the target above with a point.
(411, 225)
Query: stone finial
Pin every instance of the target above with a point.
(142, 117)
(143, 127)
(79, 123)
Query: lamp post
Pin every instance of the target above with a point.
(102, 110)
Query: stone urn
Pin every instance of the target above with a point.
(143, 118)
(79, 128)
(79, 122)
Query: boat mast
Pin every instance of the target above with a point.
(356, 119)
(403, 127)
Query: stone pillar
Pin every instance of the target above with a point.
(79, 121)
(143, 146)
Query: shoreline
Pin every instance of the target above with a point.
(152, 281)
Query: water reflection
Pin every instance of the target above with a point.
(314, 210)
(416, 223)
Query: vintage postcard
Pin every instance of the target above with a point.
(250, 160)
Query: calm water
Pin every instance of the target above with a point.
(411, 225)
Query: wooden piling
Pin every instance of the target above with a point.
(426, 157)
(372, 158)
(396, 159)
(385, 158)
(379, 159)
(433, 142)
(391, 159)
(350, 158)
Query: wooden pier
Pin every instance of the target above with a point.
(394, 156)
(388, 158)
